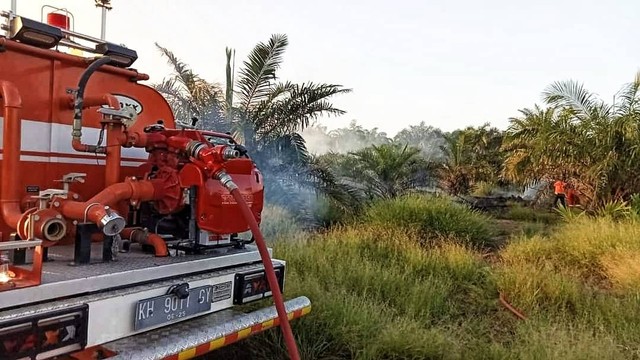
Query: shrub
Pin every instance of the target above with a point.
(483, 188)
(327, 213)
(434, 217)
(614, 210)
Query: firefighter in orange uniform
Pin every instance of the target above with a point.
(572, 195)
(559, 189)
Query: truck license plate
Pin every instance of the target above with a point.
(166, 308)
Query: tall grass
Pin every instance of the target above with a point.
(434, 217)
(379, 293)
(518, 212)
(585, 276)
(277, 223)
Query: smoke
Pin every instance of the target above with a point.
(317, 140)
(428, 139)
(343, 140)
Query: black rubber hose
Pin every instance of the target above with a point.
(84, 79)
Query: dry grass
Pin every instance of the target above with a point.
(382, 292)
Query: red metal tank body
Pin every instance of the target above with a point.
(43, 78)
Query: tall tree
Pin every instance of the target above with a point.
(265, 114)
(471, 155)
(580, 138)
(425, 137)
(189, 95)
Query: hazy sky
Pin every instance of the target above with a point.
(448, 63)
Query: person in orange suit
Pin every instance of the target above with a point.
(572, 196)
(559, 190)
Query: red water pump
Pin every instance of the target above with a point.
(187, 168)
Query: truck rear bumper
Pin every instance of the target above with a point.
(201, 335)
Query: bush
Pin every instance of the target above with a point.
(434, 217)
(483, 188)
(327, 213)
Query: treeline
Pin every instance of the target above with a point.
(573, 136)
(420, 156)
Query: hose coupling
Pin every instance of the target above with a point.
(194, 147)
(230, 153)
(226, 180)
(112, 223)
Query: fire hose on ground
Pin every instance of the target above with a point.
(292, 348)
(510, 307)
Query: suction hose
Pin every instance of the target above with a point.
(292, 348)
(76, 133)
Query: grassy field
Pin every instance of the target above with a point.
(420, 278)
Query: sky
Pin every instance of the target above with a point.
(451, 63)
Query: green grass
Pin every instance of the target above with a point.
(585, 277)
(379, 293)
(277, 223)
(434, 217)
(518, 212)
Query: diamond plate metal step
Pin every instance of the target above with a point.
(203, 334)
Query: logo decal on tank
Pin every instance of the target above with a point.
(128, 101)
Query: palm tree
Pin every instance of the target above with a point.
(384, 171)
(472, 155)
(264, 114)
(189, 95)
(267, 115)
(268, 109)
(582, 138)
(455, 172)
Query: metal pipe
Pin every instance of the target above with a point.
(112, 150)
(114, 153)
(12, 245)
(144, 237)
(82, 36)
(143, 190)
(97, 209)
(14, 6)
(71, 44)
(93, 101)
(12, 133)
(103, 30)
(46, 224)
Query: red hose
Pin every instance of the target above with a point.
(271, 276)
(506, 304)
